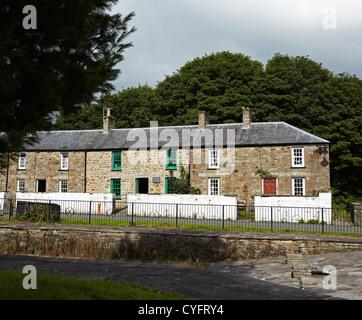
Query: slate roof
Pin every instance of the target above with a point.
(257, 134)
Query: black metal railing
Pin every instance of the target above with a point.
(176, 215)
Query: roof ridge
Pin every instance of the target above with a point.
(178, 126)
(86, 130)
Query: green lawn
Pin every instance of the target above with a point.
(63, 288)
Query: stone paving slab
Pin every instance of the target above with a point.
(348, 266)
(264, 279)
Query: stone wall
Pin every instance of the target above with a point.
(135, 164)
(236, 173)
(46, 166)
(94, 167)
(101, 203)
(294, 209)
(240, 178)
(184, 206)
(161, 245)
(355, 210)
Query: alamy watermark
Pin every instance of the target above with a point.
(30, 20)
(30, 280)
(330, 281)
(330, 19)
(191, 144)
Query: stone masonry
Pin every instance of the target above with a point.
(93, 175)
(90, 163)
(46, 166)
(245, 183)
(162, 245)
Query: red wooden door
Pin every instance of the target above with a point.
(270, 187)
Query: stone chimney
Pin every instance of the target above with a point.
(203, 119)
(109, 122)
(247, 117)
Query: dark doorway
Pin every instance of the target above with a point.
(42, 185)
(142, 185)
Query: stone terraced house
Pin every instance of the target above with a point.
(243, 159)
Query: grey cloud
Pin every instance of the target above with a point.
(172, 32)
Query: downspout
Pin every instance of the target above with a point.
(35, 182)
(85, 171)
(7, 175)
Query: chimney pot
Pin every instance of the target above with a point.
(203, 119)
(109, 122)
(247, 117)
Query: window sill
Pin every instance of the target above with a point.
(213, 168)
(20, 169)
(298, 167)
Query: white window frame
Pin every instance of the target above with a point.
(212, 188)
(64, 161)
(20, 188)
(214, 159)
(298, 159)
(22, 161)
(295, 186)
(63, 186)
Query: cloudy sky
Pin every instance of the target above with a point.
(172, 32)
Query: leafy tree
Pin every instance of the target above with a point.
(64, 62)
(131, 107)
(221, 83)
(338, 118)
(287, 90)
(182, 184)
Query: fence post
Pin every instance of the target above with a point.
(223, 217)
(322, 221)
(176, 215)
(90, 211)
(132, 215)
(271, 219)
(49, 210)
(11, 208)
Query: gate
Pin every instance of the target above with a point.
(6, 209)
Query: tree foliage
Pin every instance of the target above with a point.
(132, 108)
(182, 184)
(221, 84)
(69, 57)
(296, 90)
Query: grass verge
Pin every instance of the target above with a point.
(64, 288)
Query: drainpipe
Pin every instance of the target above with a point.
(7, 175)
(85, 171)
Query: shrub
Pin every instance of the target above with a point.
(38, 212)
(313, 221)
